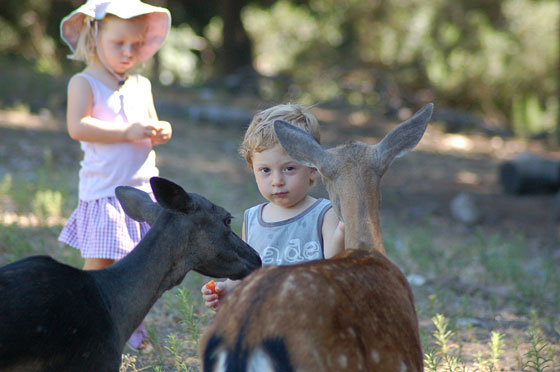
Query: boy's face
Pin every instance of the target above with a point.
(280, 179)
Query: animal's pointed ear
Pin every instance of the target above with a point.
(137, 204)
(170, 195)
(302, 147)
(403, 138)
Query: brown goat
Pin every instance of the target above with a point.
(354, 312)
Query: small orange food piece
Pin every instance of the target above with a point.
(211, 285)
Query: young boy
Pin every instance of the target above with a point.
(292, 226)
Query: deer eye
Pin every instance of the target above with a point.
(227, 221)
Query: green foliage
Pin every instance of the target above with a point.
(529, 117)
(39, 201)
(496, 345)
(178, 61)
(534, 279)
(442, 358)
(14, 244)
(442, 334)
(176, 348)
(537, 358)
(445, 356)
(47, 203)
(188, 317)
(498, 59)
(6, 184)
(27, 87)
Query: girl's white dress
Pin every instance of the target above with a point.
(99, 228)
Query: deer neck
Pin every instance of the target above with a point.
(132, 285)
(362, 224)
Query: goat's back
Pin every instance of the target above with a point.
(354, 312)
(65, 313)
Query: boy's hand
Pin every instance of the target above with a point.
(211, 298)
(339, 232)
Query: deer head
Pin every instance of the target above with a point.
(352, 173)
(215, 249)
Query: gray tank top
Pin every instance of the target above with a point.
(287, 242)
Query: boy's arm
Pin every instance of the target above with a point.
(213, 300)
(333, 234)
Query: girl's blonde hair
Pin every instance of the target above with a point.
(260, 135)
(86, 46)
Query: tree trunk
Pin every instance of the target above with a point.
(558, 87)
(236, 50)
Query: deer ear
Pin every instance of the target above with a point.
(403, 138)
(302, 147)
(170, 195)
(137, 204)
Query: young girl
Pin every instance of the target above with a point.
(112, 114)
(292, 226)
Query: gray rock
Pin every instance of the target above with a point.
(464, 209)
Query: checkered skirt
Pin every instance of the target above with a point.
(100, 229)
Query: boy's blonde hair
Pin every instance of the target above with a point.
(86, 45)
(260, 135)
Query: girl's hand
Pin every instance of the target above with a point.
(212, 300)
(141, 130)
(163, 133)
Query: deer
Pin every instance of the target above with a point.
(353, 312)
(57, 318)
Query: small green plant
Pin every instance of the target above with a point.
(176, 347)
(443, 356)
(496, 345)
(536, 358)
(446, 357)
(452, 363)
(432, 361)
(155, 341)
(187, 313)
(442, 334)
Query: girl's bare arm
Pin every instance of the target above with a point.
(82, 127)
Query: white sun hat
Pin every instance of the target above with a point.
(158, 21)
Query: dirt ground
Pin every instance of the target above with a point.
(202, 157)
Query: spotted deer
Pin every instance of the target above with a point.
(56, 318)
(354, 312)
